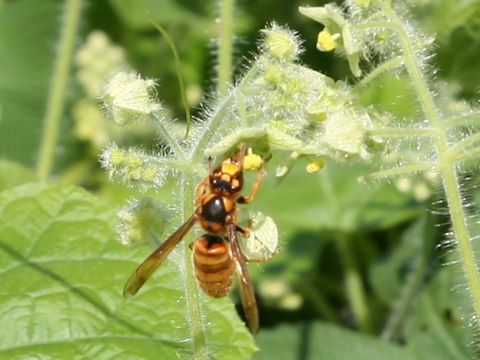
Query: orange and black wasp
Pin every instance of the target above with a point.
(216, 255)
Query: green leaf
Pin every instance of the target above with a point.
(62, 272)
(406, 264)
(312, 341)
(438, 329)
(13, 174)
(333, 199)
(399, 278)
(28, 29)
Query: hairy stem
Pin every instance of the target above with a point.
(218, 116)
(463, 119)
(386, 66)
(407, 132)
(472, 154)
(54, 111)
(402, 170)
(166, 134)
(225, 46)
(192, 295)
(446, 163)
(465, 143)
(242, 109)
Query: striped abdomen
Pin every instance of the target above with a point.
(213, 265)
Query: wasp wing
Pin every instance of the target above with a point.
(148, 267)
(247, 295)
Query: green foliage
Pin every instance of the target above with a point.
(360, 271)
(62, 272)
(23, 88)
(311, 341)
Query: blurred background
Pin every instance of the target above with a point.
(340, 244)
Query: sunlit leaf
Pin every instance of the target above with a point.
(62, 271)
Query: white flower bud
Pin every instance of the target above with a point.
(128, 97)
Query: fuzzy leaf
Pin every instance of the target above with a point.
(62, 271)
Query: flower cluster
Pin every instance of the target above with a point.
(141, 222)
(288, 107)
(134, 167)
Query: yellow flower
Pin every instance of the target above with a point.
(315, 166)
(326, 41)
(251, 161)
(335, 23)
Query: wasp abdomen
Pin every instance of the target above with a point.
(214, 266)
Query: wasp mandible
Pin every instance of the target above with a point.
(217, 255)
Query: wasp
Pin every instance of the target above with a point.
(217, 255)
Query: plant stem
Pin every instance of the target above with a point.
(172, 142)
(402, 170)
(192, 295)
(242, 109)
(54, 111)
(467, 155)
(355, 290)
(446, 164)
(402, 132)
(178, 65)
(463, 118)
(217, 117)
(386, 66)
(465, 143)
(318, 301)
(225, 46)
(426, 239)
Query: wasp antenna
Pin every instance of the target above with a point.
(210, 166)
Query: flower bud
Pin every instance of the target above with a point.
(128, 98)
(133, 167)
(263, 240)
(141, 222)
(281, 43)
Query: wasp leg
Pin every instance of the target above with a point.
(242, 231)
(253, 190)
(201, 191)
